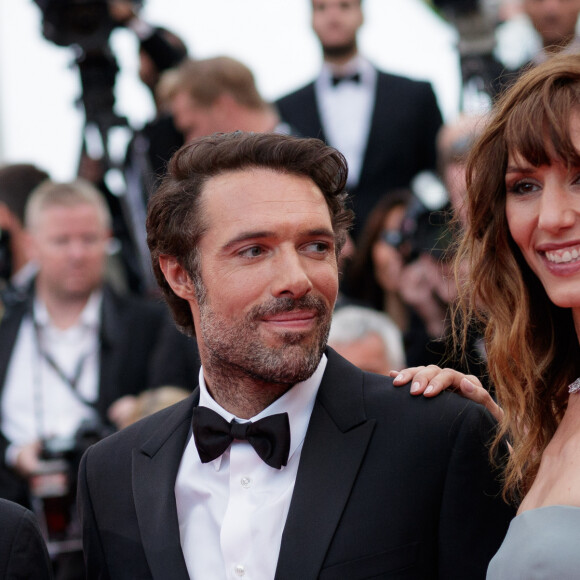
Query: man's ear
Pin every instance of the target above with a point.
(177, 277)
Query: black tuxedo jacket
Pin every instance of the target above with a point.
(130, 359)
(388, 486)
(401, 141)
(23, 552)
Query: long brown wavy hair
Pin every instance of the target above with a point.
(532, 347)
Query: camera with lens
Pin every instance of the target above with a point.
(424, 231)
(425, 227)
(53, 486)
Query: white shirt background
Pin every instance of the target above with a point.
(232, 510)
(346, 110)
(36, 402)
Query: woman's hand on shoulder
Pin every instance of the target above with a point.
(432, 380)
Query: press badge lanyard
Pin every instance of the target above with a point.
(70, 381)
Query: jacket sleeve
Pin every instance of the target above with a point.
(474, 517)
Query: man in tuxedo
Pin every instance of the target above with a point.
(384, 124)
(337, 474)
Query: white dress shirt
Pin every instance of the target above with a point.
(232, 510)
(346, 111)
(36, 401)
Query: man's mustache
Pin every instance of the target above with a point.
(280, 305)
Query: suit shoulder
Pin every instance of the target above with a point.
(131, 303)
(447, 408)
(12, 513)
(296, 96)
(404, 82)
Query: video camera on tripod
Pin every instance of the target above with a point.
(86, 25)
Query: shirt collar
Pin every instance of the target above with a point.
(89, 317)
(298, 402)
(357, 64)
(23, 277)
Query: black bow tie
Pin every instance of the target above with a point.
(270, 436)
(354, 78)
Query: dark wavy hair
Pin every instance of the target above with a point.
(176, 220)
(532, 346)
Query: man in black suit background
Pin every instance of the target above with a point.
(384, 124)
(337, 474)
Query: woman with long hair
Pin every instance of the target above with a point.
(521, 252)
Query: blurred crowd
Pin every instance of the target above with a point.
(87, 346)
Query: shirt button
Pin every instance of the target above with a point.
(246, 482)
(239, 570)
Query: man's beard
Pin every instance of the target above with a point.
(239, 348)
(340, 51)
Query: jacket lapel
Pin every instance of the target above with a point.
(311, 119)
(112, 334)
(11, 322)
(335, 444)
(385, 102)
(155, 467)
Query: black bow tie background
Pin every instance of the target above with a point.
(353, 78)
(270, 436)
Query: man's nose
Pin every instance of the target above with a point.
(77, 249)
(290, 278)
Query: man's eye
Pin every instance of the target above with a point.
(253, 252)
(317, 247)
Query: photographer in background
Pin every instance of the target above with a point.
(16, 270)
(154, 143)
(71, 348)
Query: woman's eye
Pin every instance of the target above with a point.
(523, 187)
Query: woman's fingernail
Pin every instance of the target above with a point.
(468, 387)
(428, 389)
(415, 387)
(399, 378)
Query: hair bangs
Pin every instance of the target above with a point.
(540, 128)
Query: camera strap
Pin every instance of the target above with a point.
(71, 381)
